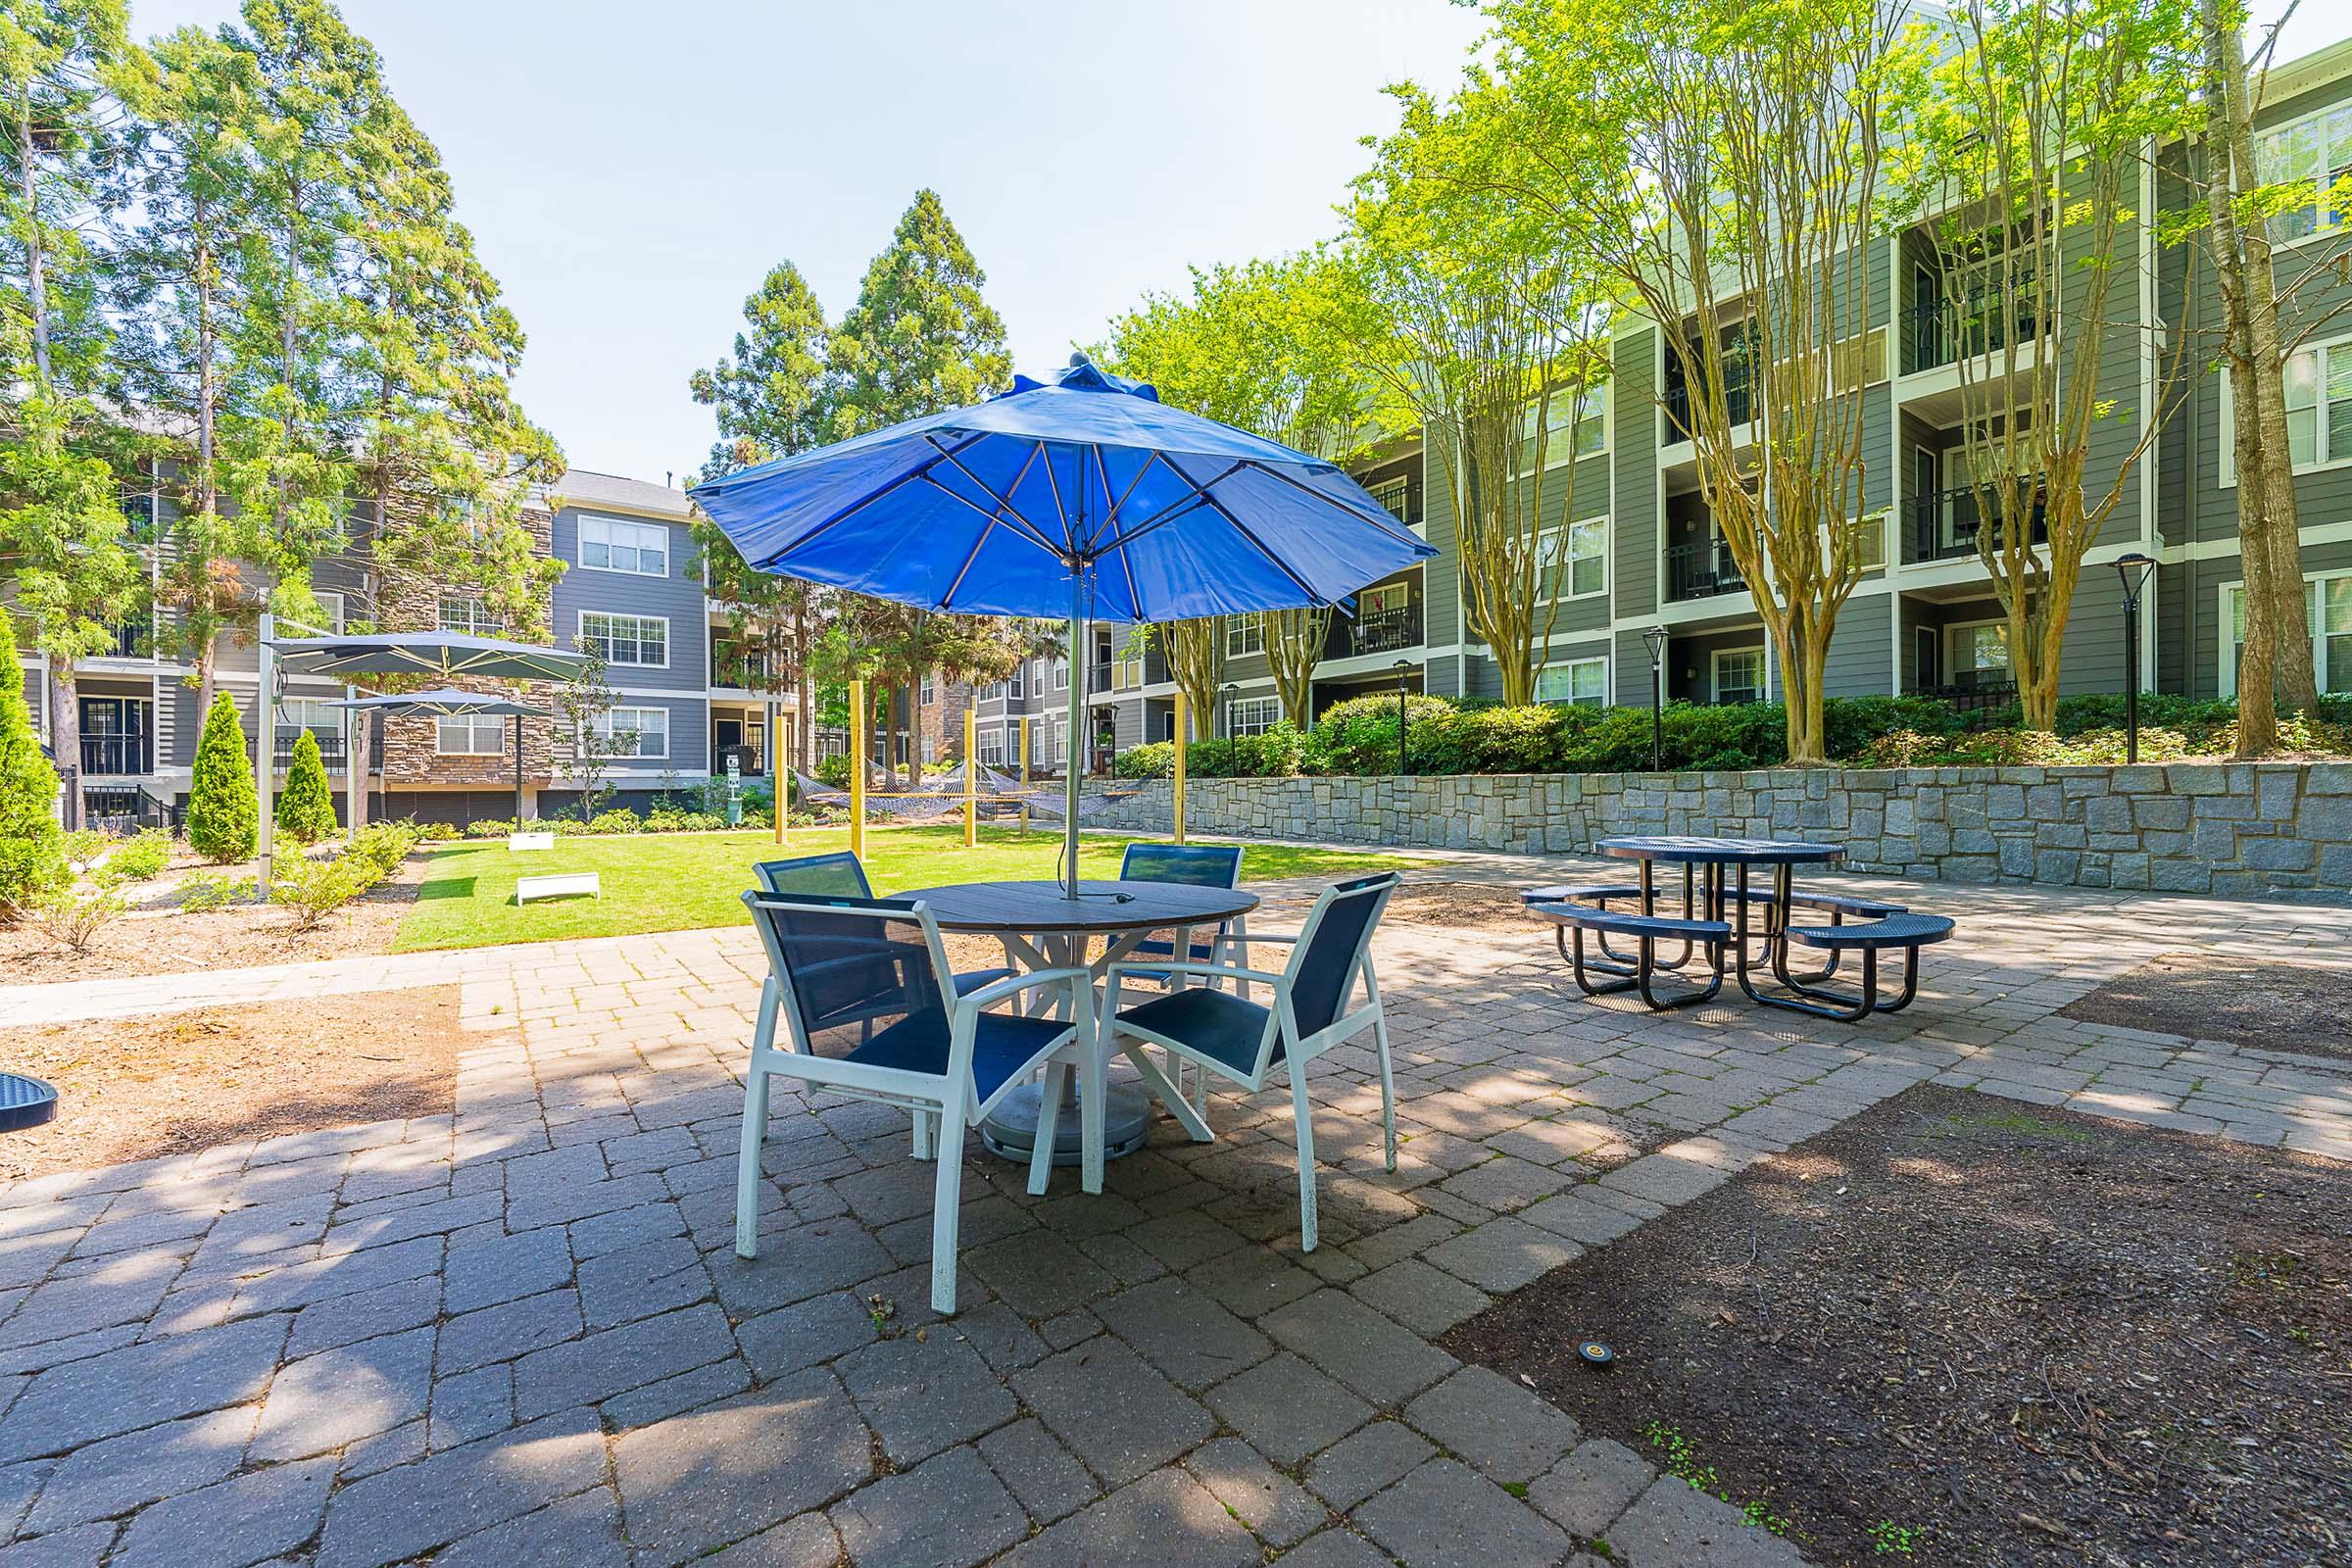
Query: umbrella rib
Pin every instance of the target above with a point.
(980, 543)
(1259, 545)
(923, 471)
(1135, 595)
(1383, 523)
(1007, 513)
(1070, 552)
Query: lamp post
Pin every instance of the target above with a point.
(2134, 569)
(1655, 638)
(1403, 669)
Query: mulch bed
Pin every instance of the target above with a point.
(2032, 1336)
(136, 1088)
(1457, 904)
(2273, 1007)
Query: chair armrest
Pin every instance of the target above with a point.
(1240, 938)
(1014, 984)
(1164, 966)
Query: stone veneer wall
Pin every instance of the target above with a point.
(2261, 828)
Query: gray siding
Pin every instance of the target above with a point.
(676, 596)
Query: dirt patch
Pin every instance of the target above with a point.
(1967, 1331)
(1454, 903)
(135, 1088)
(158, 937)
(2273, 1007)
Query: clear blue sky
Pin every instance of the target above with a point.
(630, 171)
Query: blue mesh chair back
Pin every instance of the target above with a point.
(1203, 866)
(837, 875)
(863, 982)
(1324, 966)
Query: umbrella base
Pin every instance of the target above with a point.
(1011, 1132)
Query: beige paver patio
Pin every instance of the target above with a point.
(519, 1334)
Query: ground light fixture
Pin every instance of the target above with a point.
(1403, 669)
(1655, 638)
(2134, 569)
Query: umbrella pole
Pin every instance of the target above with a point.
(1069, 750)
(518, 773)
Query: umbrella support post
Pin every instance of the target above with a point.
(265, 749)
(860, 718)
(1072, 738)
(1176, 773)
(971, 783)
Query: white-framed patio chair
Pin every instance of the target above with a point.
(859, 1000)
(1204, 865)
(1246, 1042)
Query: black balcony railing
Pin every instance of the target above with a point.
(1385, 631)
(117, 756)
(1944, 330)
(1098, 677)
(330, 745)
(1702, 572)
(1738, 402)
(1946, 524)
(1974, 690)
(131, 640)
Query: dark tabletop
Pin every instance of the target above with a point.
(1682, 848)
(1038, 907)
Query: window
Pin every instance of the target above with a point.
(467, 613)
(2315, 151)
(1587, 558)
(471, 735)
(1245, 634)
(1586, 410)
(926, 695)
(1252, 716)
(332, 603)
(1979, 653)
(611, 544)
(2328, 616)
(1582, 682)
(2319, 406)
(635, 732)
(992, 748)
(641, 640)
(1062, 674)
(312, 714)
(1020, 673)
(1739, 675)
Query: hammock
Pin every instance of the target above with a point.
(941, 795)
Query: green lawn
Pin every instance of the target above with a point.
(672, 882)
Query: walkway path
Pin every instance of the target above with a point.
(519, 1334)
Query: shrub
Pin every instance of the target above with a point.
(497, 828)
(30, 858)
(310, 888)
(72, 916)
(666, 819)
(437, 831)
(143, 855)
(1359, 735)
(223, 812)
(83, 849)
(834, 770)
(306, 812)
(381, 848)
(620, 820)
(1151, 759)
(1487, 740)
(202, 892)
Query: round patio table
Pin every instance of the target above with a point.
(1042, 927)
(1781, 855)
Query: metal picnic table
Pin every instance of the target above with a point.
(1718, 902)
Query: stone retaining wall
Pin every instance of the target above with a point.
(2236, 829)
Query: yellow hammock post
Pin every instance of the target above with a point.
(971, 786)
(858, 719)
(783, 780)
(1023, 727)
(1183, 732)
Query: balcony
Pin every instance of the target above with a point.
(1702, 572)
(330, 745)
(117, 756)
(1943, 330)
(1944, 524)
(1402, 496)
(1738, 402)
(1099, 679)
(1388, 629)
(130, 641)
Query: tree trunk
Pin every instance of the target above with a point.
(65, 736)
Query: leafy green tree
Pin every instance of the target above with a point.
(63, 534)
(30, 857)
(306, 812)
(920, 337)
(223, 812)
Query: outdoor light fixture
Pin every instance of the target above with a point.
(2134, 569)
(1656, 637)
(1231, 691)
(1403, 669)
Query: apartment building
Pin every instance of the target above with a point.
(631, 590)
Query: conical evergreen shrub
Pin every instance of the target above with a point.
(223, 814)
(306, 812)
(32, 856)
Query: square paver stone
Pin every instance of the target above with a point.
(1370, 1354)
(1372, 1461)
(716, 1475)
(1038, 1273)
(1503, 1254)
(140, 1384)
(951, 1511)
(1179, 1329)
(1269, 1502)
(1446, 1515)
(924, 1395)
(1585, 1493)
(1049, 1482)
(232, 1523)
(1425, 1299)
(1118, 1415)
(398, 1514)
(1506, 1429)
(1675, 1525)
(1288, 1409)
(1177, 1521)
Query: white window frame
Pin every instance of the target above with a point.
(1252, 716)
(1953, 668)
(1565, 559)
(2321, 353)
(1763, 686)
(925, 693)
(2315, 613)
(479, 622)
(992, 747)
(1595, 664)
(1020, 684)
(1245, 635)
(580, 637)
(605, 722)
(331, 600)
(328, 721)
(473, 728)
(609, 528)
(1589, 407)
(2333, 150)
(1062, 674)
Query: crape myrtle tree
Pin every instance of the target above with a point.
(2025, 131)
(74, 573)
(1470, 307)
(2257, 192)
(1195, 655)
(1720, 164)
(1247, 346)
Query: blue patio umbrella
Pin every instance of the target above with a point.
(1080, 495)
